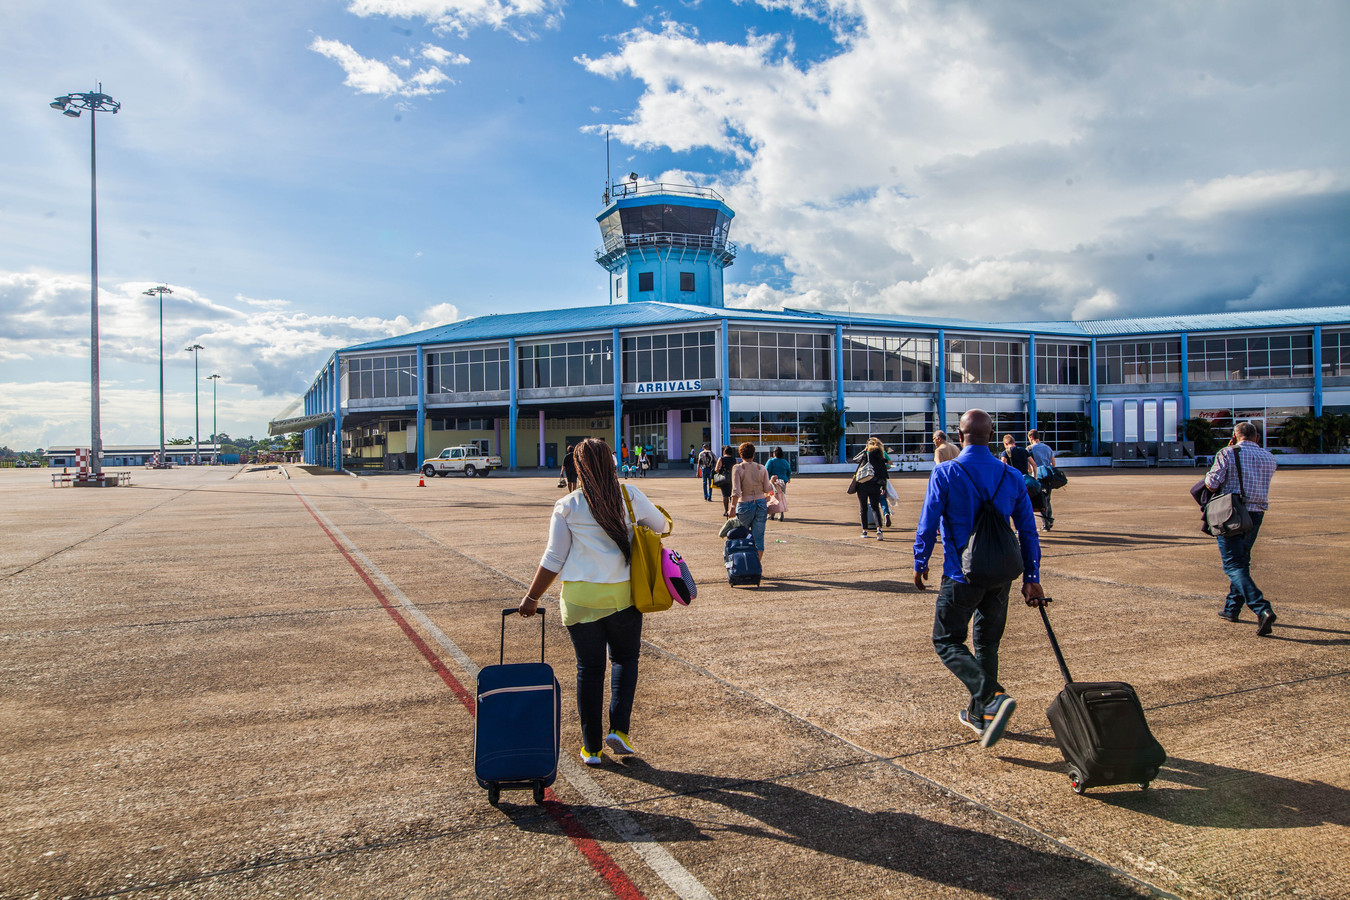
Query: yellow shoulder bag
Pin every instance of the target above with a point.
(650, 592)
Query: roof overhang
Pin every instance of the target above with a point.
(299, 423)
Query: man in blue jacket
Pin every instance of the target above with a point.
(956, 490)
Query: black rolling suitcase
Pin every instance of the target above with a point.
(516, 730)
(741, 558)
(1101, 730)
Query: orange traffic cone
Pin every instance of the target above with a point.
(421, 482)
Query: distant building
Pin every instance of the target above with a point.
(666, 365)
(135, 455)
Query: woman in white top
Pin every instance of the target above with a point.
(590, 546)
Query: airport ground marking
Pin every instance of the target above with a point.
(665, 866)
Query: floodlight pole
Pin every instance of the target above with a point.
(161, 290)
(215, 441)
(70, 105)
(196, 406)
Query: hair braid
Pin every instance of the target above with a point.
(595, 465)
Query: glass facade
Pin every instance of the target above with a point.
(899, 432)
(670, 357)
(888, 358)
(1335, 353)
(780, 355)
(1061, 364)
(1141, 362)
(373, 377)
(462, 371)
(1250, 358)
(560, 364)
(986, 362)
(1269, 420)
(1061, 431)
(767, 428)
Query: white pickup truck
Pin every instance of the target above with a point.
(467, 459)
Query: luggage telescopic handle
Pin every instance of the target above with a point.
(1054, 644)
(511, 610)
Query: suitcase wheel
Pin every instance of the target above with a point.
(539, 793)
(1076, 782)
(494, 794)
(1143, 785)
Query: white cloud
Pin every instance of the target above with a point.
(370, 76)
(462, 16)
(266, 352)
(441, 56)
(1018, 161)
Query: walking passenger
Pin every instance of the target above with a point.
(1017, 457)
(943, 449)
(1257, 469)
(750, 490)
(779, 468)
(871, 492)
(1044, 459)
(725, 463)
(706, 461)
(590, 546)
(956, 491)
(570, 467)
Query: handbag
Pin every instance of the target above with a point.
(651, 592)
(562, 481)
(891, 492)
(719, 477)
(865, 472)
(1226, 515)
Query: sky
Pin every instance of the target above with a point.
(317, 173)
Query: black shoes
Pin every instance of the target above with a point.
(1226, 617)
(1263, 623)
(888, 520)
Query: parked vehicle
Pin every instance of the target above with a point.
(467, 459)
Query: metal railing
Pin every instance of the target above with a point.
(623, 189)
(665, 239)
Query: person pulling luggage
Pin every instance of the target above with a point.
(590, 546)
(958, 492)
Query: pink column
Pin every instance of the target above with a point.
(542, 460)
(675, 451)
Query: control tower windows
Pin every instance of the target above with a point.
(686, 281)
(646, 281)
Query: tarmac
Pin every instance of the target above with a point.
(252, 681)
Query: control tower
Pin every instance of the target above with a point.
(665, 242)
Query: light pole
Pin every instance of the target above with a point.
(161, 290)
(195, 350)
(70, 105)
(214, 440)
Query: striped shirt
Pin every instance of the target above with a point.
(1258, 467)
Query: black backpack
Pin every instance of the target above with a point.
(992, 556)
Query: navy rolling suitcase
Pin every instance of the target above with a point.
(516, 731)
(1101, 730)
(742, 558)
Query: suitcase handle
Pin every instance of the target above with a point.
(1054, 644)
(512, 610)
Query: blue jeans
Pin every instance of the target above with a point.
(753, 514)
(957, 603)
(621, 634)
(707, 482)
(1236, 553)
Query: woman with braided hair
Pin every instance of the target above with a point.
(590, 546)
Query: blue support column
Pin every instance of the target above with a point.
(618, 390)
(1317, 370)
(422, 381)
(1031, 382)
(941, 375)
(513, 409)
(725, 362)
(337, 412)
(1185, 376)
(839, 383)
(1093, 413)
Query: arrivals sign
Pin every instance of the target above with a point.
(668, 387)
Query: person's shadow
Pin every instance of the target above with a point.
(899, 841)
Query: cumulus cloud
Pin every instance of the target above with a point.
(462, 16)
(1018, 161)
(266, 352)
(370, 76)
(441, 56)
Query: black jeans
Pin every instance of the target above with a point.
(957, 603)
(870, 495)
(621, 634)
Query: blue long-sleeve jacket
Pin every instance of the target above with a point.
(953, 501)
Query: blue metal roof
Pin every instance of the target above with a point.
(645, 313)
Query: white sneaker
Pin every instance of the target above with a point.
(619, 744)
(864, 534)
(879, 537)
(591, 759)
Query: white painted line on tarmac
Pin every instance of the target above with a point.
(658, 858)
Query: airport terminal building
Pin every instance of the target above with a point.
(666, 365)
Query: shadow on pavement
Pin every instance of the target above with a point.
(902, 842)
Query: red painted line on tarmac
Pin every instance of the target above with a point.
(603, 864)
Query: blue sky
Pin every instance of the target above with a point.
(306, 175)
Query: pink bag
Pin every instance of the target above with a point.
(679, 580)
(777, 501)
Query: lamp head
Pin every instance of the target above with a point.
(73, 113)
(59, 103)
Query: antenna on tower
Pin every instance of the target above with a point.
(607, 172)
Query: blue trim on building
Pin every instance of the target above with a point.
(725, 363)
(1093, 413)
(337, 411)
(618, 390)
(942, 380)
(1317, 370)
(421, 403)
(839, 382)
(1031, 381)
(513, 407)
(1185, 375)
